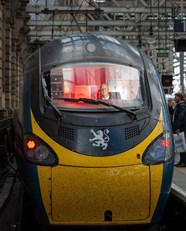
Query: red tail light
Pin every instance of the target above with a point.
(165, 143)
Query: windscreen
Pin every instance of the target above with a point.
(118, 84)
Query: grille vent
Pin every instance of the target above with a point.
(67, 133)
(131, 132)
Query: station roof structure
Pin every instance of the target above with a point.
(148, 24)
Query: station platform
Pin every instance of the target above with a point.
(178, 188)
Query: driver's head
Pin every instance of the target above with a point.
(104, 90)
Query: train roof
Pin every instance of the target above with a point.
(81, 47)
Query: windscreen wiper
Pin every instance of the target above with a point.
(131, 113)
(93, 101)
(54, 107)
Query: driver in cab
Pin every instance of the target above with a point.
(104, 91)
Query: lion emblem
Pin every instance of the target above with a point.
(100, 139)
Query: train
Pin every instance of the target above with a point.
(88, 161)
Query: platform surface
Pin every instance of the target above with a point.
(179, 183)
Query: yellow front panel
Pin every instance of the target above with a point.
(82, 195)
(81, 188)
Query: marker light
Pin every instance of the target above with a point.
(31, 144)
(38, 152)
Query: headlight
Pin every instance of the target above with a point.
(38, 152)
(160, 151)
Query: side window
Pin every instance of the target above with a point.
(46, 84)
(152, 77)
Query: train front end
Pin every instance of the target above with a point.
(88, 161)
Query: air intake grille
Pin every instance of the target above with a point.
(131, 132)
(67, 133)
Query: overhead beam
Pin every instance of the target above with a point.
(93, 23)
(108, 32)
(83, 10)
